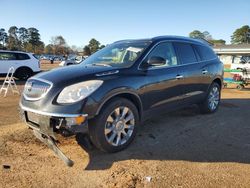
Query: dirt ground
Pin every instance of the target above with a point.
(178, 149)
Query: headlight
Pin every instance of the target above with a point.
(78, 91)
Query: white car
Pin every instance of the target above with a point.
(73, 61)
(25, 64)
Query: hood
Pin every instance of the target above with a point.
(74, 74)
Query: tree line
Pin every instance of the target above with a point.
(240, 36)
(26, 39)
(29, 40)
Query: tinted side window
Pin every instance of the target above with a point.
(166, 51)
(205, 52)
(21, 56)
(185, 53)
(7, 56)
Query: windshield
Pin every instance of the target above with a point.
(121, 54)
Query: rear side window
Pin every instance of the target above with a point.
(21, 56)
(36, 56)
(7, 56)
(186, 53)
(205, 53)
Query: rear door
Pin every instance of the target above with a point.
(24, 60)
(192, 71)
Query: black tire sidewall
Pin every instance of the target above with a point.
(204, 106)
(23, 73)
(97, 125)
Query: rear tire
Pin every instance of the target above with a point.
(212, 100)
(116, 125)
(23, 73)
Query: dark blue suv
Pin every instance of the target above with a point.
(115, 89)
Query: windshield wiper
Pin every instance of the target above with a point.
(101, 64)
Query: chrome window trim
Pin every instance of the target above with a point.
(163, 67)
(24, 108)
(43, 95)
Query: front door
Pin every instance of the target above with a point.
(163, 89)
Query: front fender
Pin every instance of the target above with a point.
(119, 92)
(95, 104)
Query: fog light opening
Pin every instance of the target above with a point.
(79, 120)
(75, 121)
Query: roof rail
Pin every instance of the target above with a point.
(205, 41)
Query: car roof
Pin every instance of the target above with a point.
(15, 51)
(169, 37)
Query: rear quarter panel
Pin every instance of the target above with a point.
(216, 70)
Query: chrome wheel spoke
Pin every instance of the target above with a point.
(212, 105)
(124, 133)
(217, 98)
(129, 126)
(129, 117)
(110, 119)
(215, 90)
(117, 112)
(118, 139)
(109, 130)
(112, 137)
(124, 112)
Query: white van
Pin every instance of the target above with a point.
(25, 64)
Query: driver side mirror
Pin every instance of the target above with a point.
(156, 61)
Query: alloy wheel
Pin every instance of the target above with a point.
(119, 126)
(214, 98)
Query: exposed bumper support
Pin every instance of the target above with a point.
(45, 124)
(50, 142)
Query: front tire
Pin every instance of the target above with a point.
(212, 100)
(116, 125)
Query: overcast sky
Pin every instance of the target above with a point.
(109, 20)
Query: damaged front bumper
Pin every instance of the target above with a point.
(45, 125)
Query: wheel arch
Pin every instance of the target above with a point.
(129, 95)
(23, 67)
(218, 81)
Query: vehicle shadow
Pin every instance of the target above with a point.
(186, 135)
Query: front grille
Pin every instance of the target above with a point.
(36, 89)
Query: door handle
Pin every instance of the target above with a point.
(179, 76)
(204, 71)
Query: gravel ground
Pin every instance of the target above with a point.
(178, 149)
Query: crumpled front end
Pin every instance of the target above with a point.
(46, 118)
